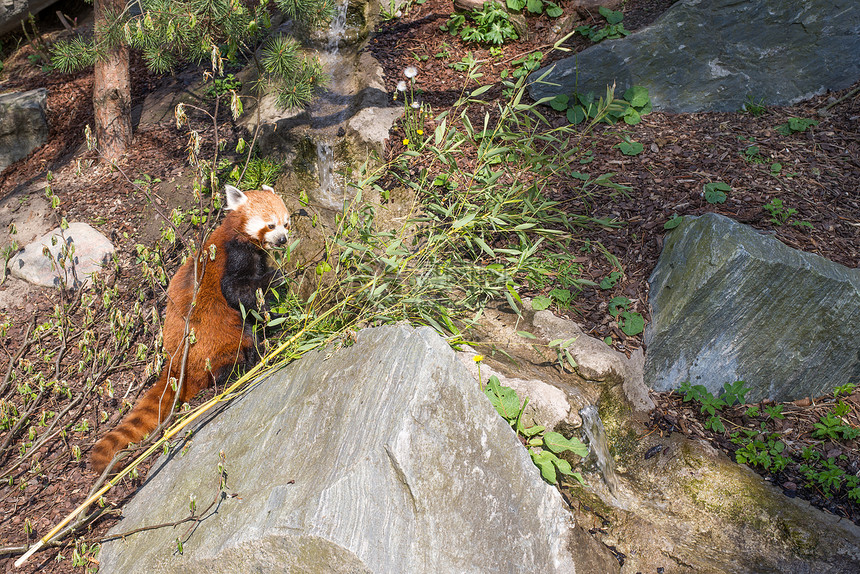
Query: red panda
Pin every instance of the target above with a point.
(255, 220)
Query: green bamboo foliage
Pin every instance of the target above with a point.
(168, 33)
(483, 224)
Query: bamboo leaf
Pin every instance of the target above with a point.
(463, 221)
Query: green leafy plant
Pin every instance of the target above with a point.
(490, 209)
(638, 104)
(258, 172)
(753, 411)
(774, 412)
(752, 154)
(732, 393)
(780, 214)
(562, 350)
(523, 66)
(562, 297)
(492, 25)
(754, 107)
(466, 63)
(613, 29)
(762, 450)
(830, 426)
(630, 108)
(631, 323)
(445, 52)
(715, 192)
(845, 389)
(673, 222)
(826, 475)
(795, 125)
(553, 10)
(224, 85)
(611, 280)
(559, 271)
(630, 147)
(541, 302)
(544, 447)
(757, 446)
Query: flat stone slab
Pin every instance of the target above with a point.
(712, 55)
(91, 251)
(730, 303)
(381, 457)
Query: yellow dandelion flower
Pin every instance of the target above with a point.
(478, 358)
(420, 132)
(406, 141)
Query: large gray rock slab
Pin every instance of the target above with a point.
(729, 303)
(23, 125)
(381, 457)
(710, 55)
(89, 251)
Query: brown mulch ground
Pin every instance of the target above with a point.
(682, 152)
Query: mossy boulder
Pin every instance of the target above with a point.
(730, 303)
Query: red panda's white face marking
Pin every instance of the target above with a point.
(266, 218)
(272, 231)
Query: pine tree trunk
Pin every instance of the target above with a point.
(112, 96)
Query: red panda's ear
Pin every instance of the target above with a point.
(268, 188)
(235, 198)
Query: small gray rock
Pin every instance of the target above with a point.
(597, 361)
(23, 125)
(91, 251)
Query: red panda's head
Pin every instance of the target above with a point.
(263, 217)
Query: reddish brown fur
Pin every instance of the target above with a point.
(221, 337)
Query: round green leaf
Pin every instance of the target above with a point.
(575, 115)
(559, 102)
(673, 223)
(633, 323)
(540, 303)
